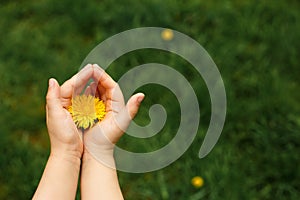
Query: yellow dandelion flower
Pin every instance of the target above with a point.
(197, 182)
(87, 110)
(167, 34)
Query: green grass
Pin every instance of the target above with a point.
(255, 45)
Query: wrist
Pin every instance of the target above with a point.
(70, 156)
(99, 157)
(66, 150)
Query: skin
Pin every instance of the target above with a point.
(93, 153)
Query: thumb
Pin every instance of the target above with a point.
(123, 119)
(133, 104)
(53, 97)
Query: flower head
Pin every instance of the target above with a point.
(197, 182)
(87, 110)
(167, 34)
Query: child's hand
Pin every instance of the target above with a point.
(60, 177)
(65, 138)
(99, 141)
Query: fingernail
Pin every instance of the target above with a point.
(96, 65)
(86, 66)
(51, 83)
(140, 99)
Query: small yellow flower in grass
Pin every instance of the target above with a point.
(87, 110)
(167, 34)
(197, 182)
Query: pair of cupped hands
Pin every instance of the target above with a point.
(65, 138)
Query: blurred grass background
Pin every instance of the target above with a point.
(255, 45)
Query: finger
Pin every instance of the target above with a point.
(101, 92)
(115, 99)
(103, 78)
(77, 82)
(112, 93)
(91, 89)
(88, 91)
(82, 79)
